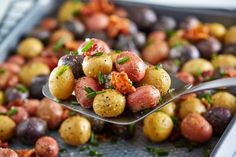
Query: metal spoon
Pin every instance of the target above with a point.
(178, 89)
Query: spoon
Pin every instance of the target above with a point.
(178, 89)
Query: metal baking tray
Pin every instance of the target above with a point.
(136, 147)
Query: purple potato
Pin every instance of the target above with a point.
(37, 85)
(125, 43)
(76, 27)
(189, 22)
(139, 39)
(19, 92)
(171, 66)
(165, 23)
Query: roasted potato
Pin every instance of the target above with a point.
(224, 60)
(197, 66)
(157, 77)
(46, 146)
(145, 97)
(97, 22)
(229, 37)
(216, 29)
(225, 100)
(177, 39)
(61, 35)
(195, 128)
(31, 106)
(132, 64)
(7, 128)
(191, 105)
(21, 114)
(169, 109)
(75, 130)
(30, 48)
(6, 152)
(31, 70)
(93, 65)
(37, 85)
(109, 103)
(158, 126)
(61, 82)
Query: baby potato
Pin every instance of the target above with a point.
(75, 130)
(216, 29)
(169, 109)
(158, 126)
(46, 146)
(31, 70)
(61, 82)
(196, 66)
(144, 97)
(6, 152)
(177, 39)
(7, 128)
(225, 100)
(224, 60)
(61, 34)
(30, 48)
(230, 35)
(96, 64)
(157, 77)
(131, 64)
(195, 128)
(191, 105)
(110, 103)
(20, 115)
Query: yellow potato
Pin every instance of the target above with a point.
(31, 70)
(61, 82)
(169, 109)
(177, 39)
(110, 103)
(7, 128)
(30, 47)
(196, 66)
(224, 99)
(158, 78)
(75, 130)
(93, 65)
(158, 126)
(230, 36)
(68, 9)
(225, 60)
(191, 105)
(1, 97)
(216, 29)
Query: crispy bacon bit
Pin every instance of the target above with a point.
(26, 153)
(117, 25)
(197, 33)
(121, 82)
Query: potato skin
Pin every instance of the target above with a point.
(195, 128)
(61, 86)
(230, 37)
(81, 94)
(158, 78)
(225, 60)
(30, 48)
(195, 65)
(51, 112)
(157, 126)
(144, 97)
(5, 152)
(134, 67)
(225, 100)
(7, 127)
(191, 105)
(109, 104)
(75, 130)
(21, 115)
(31, 106)
(93, 65)
(46, 146)
(217, 29)
(31, 70)
(169, 109)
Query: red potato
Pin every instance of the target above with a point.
(97, 22)
(145, 97)
(5, 152)
(20, 115)
(81, 94)
(134, 66)
(157, 35)
(3, 109)
(16, 59)
(46, 147)
(31, 106)
(195, 128)
(97, 46)
(185, 77)
(51, 112)
(51, 61)
(12, 67)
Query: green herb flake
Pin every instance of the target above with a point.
(177, 44)
(12, 112)
(88, 45)
(208, 98)
(131, 128)
(123, 60)
(2, 71)
(59, 44)
(158, 66)
(100, 92)
(73, 53)
(74, 102)
(145, 111)
(170, 33)
(175, 120)
(57, 100)
(199, 72)
(22, 89)
(101, 78)
(84, 148)
(95, 153)
(62, 69)
(98, 54)
(157, 151)
(117, 51)
(88, 90)
(177, 62)
(91, 95)
(161, 100)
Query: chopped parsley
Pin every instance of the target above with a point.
(170, 33)
(12, 112)
(74, 102)
(22, 89)
(91, 93)
(177, 44)
(76, 13)
(98, 54)
(62, 69)
(208, 97)
(95, 153)
(57, 100)
(157, 151)
(161, 100)
(123, 60)
(158, 66)
(117, 51)
(59, 44)
(87, 46)
(72, 113)
(177, 62)
(93, 139)
(101, 78)
(199, 72)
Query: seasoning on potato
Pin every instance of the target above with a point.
(46, 146)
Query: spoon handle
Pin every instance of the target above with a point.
(225, 82)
